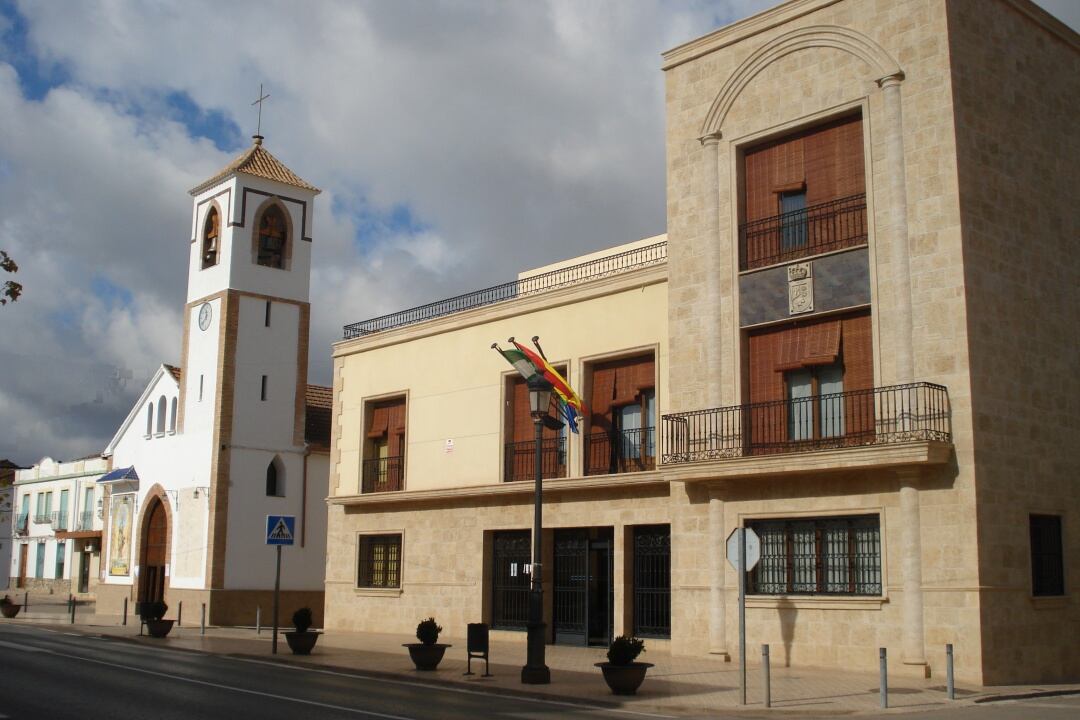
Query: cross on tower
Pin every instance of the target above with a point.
(259, 102)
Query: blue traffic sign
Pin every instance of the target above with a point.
(280, 529)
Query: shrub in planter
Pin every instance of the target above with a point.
(302, 640)
(153, 615)
(428, 653)
(621, 672)
(8, 608)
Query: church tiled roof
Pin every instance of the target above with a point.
(174, 371)
(319, 401)
(257, 161)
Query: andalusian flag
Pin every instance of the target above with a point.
(520, 362)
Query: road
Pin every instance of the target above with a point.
(57, 675)
(54, 675)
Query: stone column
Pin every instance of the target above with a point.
(911, 560)
(710, 240)
(717, 630)
(900, 261)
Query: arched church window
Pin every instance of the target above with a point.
(272, 238)
(172, 415)
(161, 414)
(275, 478)
(149, 419)
(211, 238)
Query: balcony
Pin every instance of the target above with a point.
(881, 416)
(386, 474)
(85, 522)
(620, 451)
(519, 460)
(821, 228)
(42, 518)
(22, 525)
(59, 521)
(641, 257)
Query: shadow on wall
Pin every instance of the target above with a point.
(788, 612)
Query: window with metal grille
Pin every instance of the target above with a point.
(818, 556)
(380, 561)
(1047, 560)
(652, 581)
(510, 580)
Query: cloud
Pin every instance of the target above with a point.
(442, 133)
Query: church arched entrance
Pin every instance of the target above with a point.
(152, 554)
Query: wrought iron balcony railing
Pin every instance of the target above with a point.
(383, 474)
(59, 521)
(42, 518)
(544, 282)
(85, 521)
(880, 416)
(22, 525)
(608, 452)
(821, 228)
(519, 459)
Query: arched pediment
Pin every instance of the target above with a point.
(815, 36)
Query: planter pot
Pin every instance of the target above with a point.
(10, 611)
(301, 642)
(159, 628)
(426, 657)
(624, 679)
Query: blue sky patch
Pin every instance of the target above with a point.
(36, 76)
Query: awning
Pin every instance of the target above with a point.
(120, 475)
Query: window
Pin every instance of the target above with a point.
(792, 220)
(60, 552)
(211, 235)
(39, 564)
(621, 434)
(815, 407)
(383, 466)
(380, 561)
(519, 450)
(262, 392)
(149, 419)
(266, 318)
(172, 415)
(1047, 558)
(272, 238)
(818, 556)
(40, 515)
(200, 387)
(161, 415)
(62, 517)
(275, 478)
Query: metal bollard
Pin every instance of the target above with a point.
(125, 611)
(950, 688)
(765, 675)
(884, 663)
(72, 609)
(180, 614)
(202, 621)
(26, 601)
(258, 620)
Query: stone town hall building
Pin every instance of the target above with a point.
(858, 338)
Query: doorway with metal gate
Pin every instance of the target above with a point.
(583, 608)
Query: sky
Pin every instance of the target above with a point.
(456, 143)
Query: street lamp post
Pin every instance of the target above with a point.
(536, 671)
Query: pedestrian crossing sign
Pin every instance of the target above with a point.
(280, 529)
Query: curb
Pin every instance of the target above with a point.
(1026, 695)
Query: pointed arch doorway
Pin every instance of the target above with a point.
(152, 553)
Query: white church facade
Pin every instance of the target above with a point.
(235, 433)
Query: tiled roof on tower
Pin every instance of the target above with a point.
(257, 161)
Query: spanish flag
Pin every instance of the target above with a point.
(562, 388)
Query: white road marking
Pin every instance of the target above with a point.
(463, 691)
(193, 681)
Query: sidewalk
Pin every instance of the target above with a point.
(675, 685)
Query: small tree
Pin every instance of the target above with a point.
(11, 289)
